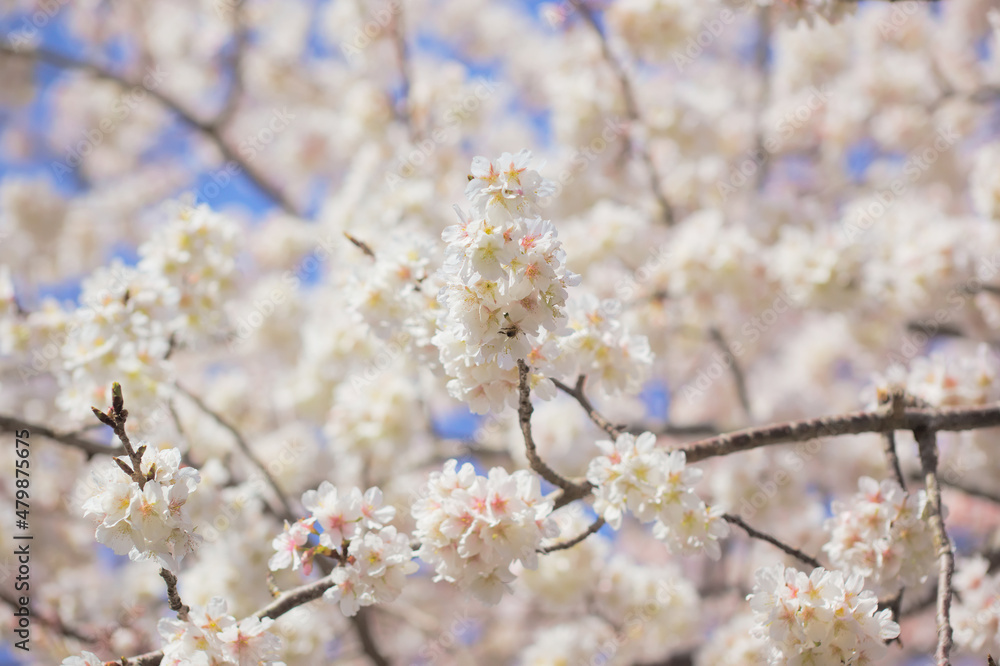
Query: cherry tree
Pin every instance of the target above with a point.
(434, 332)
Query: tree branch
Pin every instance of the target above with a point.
(594, 527)
(927, 447)
(739, 379)
(946, 419)
(173, 596)
(363, 627)
(571, 491)
(757, 534)
(288, 514)
(91, 448)
(631, 109)
(210, 130)
(578, 393)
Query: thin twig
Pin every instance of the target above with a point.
(893, 404)
(631, 109)
(739, 379)
(571, 491)
(404, 107)
(286, 602)
(594, 527)
(927, 447)
(971, 491)
(361, 245)
(245, 448)
(116, 417)
(757, 534)
(362, 625)
(761, 52)
(91, 448)
(235, 70)
(208, 129)
(578, 393)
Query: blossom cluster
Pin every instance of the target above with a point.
(473, 528)
(505, 282)
(655, 486)
(600, 346)
(148, 521)
(819, 618)
(881, 533)
(131, 318)
(976, 614)
(374, 558)
(947, 381)
(212, 637)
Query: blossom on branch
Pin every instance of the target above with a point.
(472, 528)
(635, 475)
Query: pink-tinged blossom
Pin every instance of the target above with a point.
(473, 528)
(818, 618)
(635, 475)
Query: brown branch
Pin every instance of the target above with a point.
(235, 92)
(927, 447)
(173, 596)
(50, 620)
(72, 439)
(761, 49)
(286, 602)
(946, 419)
(570, 491)
(361, 245)
(739, 379)
(971, 491)
(245, 448)
(404, 106)
(207, 129)
(893, 404)
(577, 392)
(362, 625)
(757, 534)
(631, 108)
(594, 527)
(116, 417)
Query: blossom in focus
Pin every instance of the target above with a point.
(823, 617)
(635, 475)
(147, 522)
(471, 528)
(882, 534)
